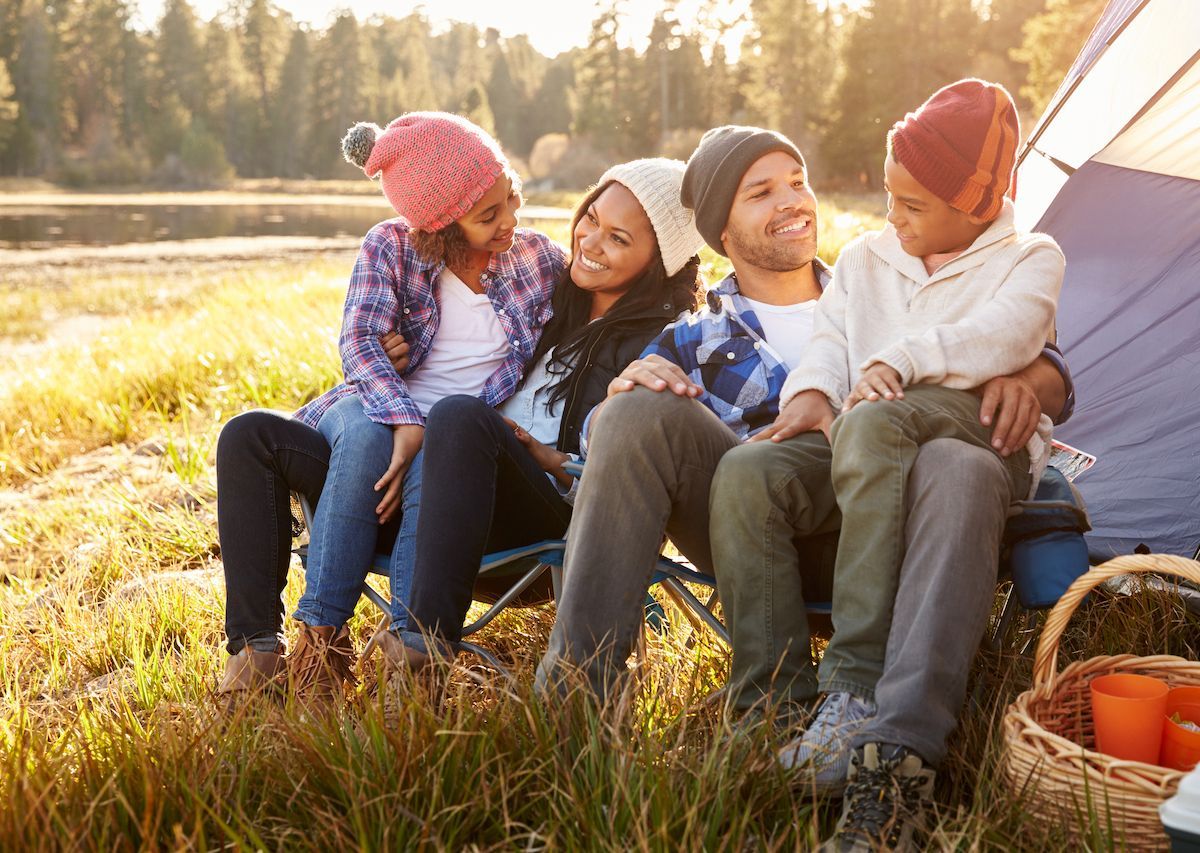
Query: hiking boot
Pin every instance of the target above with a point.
(887, 791)
(251, 673)
(824, 749)
(321, 667)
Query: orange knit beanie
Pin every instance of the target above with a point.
(961, 145)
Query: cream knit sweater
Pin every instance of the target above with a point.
(987, 313)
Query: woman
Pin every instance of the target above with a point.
(470, 292)
(493, 479)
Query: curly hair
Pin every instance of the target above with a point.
(447, 244)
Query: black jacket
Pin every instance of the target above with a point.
(609, 348)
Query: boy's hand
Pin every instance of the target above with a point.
(808, 411)
(879, 382)
(396, 350)
(657, 374)
(1012, 405)
(406, 442)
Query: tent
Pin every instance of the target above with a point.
(1112, 171)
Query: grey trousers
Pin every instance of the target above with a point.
(651, 459)
(765, 495)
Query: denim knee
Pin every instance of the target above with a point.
(457, 412)
(245, 435)
(349, 431)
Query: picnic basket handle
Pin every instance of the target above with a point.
(1046, 660)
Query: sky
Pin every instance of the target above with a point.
(552, 25)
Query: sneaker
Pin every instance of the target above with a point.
(824, 748)
(321, 668)
(251, 673)
(887, 791)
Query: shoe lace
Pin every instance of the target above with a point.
(878, 799)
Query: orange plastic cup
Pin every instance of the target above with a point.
(1127, 711)
(1180, 746)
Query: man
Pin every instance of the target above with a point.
(708, 383)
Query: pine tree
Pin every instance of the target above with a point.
(289, 113)
(10, 109)
(338, 97)
(34, 146)
(1051, 42)
(597, 107)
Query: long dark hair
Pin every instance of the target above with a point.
(569, 330)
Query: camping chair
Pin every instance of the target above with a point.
(526, 570)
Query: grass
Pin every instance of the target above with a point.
(111, 605)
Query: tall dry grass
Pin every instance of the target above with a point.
(111, 605)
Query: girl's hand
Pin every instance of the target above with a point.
(406, 441)
(396, 350)
(549, 459)
(878, 382)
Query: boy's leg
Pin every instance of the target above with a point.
(345, 526)
(651, 459)
(261, 457)
(874, 448)
(947, 586)
(764, 496)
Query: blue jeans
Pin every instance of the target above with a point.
(345, 526)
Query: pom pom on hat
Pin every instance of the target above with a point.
(655, 182)
(434, 166)
(358, 142)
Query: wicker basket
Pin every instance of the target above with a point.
(1049, 756)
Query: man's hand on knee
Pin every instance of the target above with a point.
(657, 374)
(1012, 405)
(808, 411)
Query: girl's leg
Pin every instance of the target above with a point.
(481, 490)
(261, 457)
(345, 526)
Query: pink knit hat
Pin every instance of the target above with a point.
(435, 166)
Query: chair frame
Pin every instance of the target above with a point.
(548, 556)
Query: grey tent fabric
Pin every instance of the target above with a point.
(1129, 323)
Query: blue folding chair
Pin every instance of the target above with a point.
(1044, 552)
(527, 567)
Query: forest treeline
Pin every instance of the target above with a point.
(86, 97)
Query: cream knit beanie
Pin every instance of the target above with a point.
(655, 182)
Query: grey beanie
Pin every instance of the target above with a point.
(715, 170)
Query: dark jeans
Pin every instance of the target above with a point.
(481, 491)
(262, 456)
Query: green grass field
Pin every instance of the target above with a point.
(111, 604)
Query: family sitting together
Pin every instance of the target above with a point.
(856, 435)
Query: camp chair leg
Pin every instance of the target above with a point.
(1008, 610)
(487, 658)
(692, 607)
(379, 601)
(503, 601)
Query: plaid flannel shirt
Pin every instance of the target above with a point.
(393, 289)
(726, 353)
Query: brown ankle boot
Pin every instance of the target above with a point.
(396, 654)
(251, 673)
(321, 668)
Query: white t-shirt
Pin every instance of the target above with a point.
(468, 348)
(787, 328)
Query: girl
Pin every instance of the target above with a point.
(470, 292)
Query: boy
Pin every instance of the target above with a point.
(946, 297)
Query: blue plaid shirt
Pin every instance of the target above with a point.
(392, 288)
(726, 353)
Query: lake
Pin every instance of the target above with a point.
(46, 226)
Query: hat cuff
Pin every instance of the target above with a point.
(944, 174)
